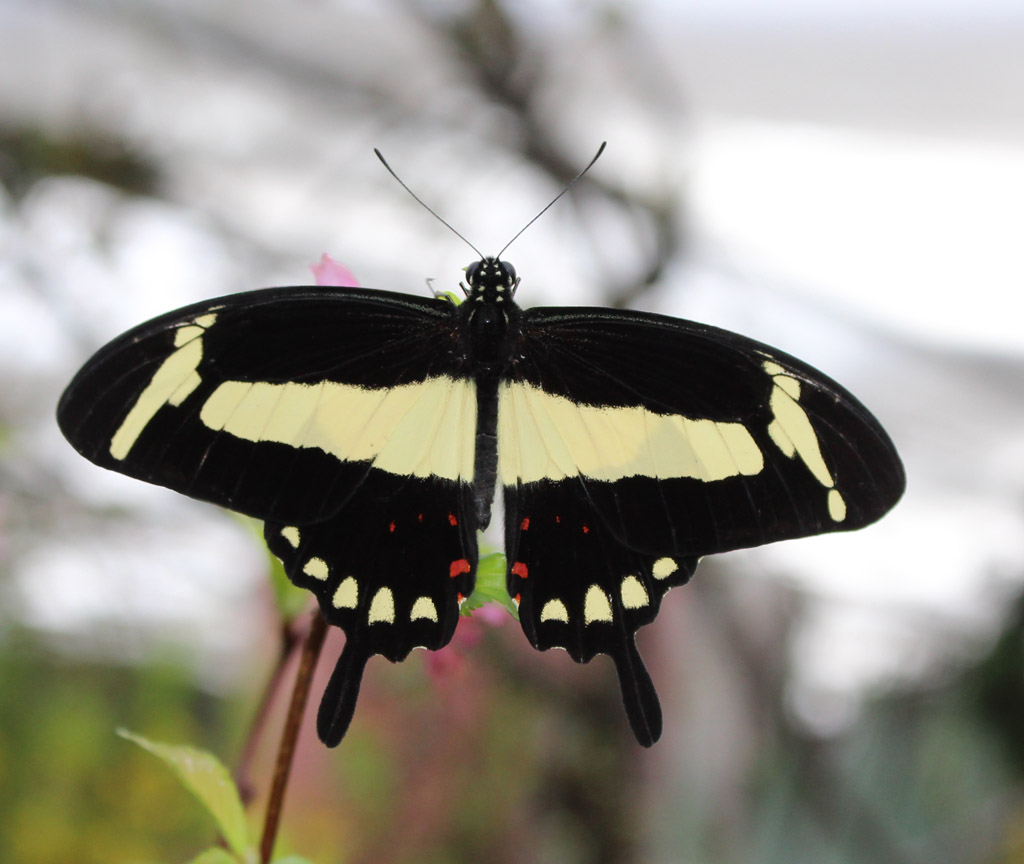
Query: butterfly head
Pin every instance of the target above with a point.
(491, 280)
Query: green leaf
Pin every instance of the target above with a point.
(216, 855)
(289, 599)
(490, 586)
(292, 859)
(205, 777)
(451, 295)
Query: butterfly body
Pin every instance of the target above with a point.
(370, 431)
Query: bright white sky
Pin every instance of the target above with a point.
(917, 234)
(745, 13)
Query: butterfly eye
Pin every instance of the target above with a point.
(510, 273)
(472, 272)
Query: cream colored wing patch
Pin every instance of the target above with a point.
(173, 381)
(421, 430)
(347, 594)
(792, 432)
(542, 436)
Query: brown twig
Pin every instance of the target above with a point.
(291, 637)
(289, 736)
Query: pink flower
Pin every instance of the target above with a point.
(327, 271)
(448, 661)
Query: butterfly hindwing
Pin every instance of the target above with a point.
(580, 588)
(389, 568)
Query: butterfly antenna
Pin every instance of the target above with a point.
(426, 206)
(568, 186)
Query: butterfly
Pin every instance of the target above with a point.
(370, 430)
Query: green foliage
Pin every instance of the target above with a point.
(490, 586)
(210, 782)
(289, 599)
(69, 789)
(451, 295)
(205, 777)
(214, 856)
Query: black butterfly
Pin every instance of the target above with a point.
(369, 430)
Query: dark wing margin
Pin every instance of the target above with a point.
(149, 403)
(632, 444)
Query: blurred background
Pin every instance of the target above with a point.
(843, 180)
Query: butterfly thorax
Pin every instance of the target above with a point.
(491, 314)
(492, 325)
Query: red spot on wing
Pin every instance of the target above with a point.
(558, 520)
(520, 569)
(391, 527)
(452, 520)
(419, 518)
(518, 599)
(525, 524)
(586, 529)
(457, 568)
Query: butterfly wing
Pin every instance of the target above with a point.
(390, 569)
(277, 403)
(632, 444)
(341, 417)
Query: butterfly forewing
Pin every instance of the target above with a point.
(689, 439)
(276, 403)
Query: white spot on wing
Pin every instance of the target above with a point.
(423, 608)
(597, 605)
(836, 506)
(382, 607)
(171, 384)
(422, 429)
(793, 433)
(317, 568)
(543, 436)
(291, 534)
(554, 610)
(663, 568)
(347, 595)
(633, 593)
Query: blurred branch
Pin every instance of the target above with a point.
(29, 154)
(291, 635)
(311, 648)
(508, 74)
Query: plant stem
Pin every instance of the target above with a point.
(291, 639)
(289, 736)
